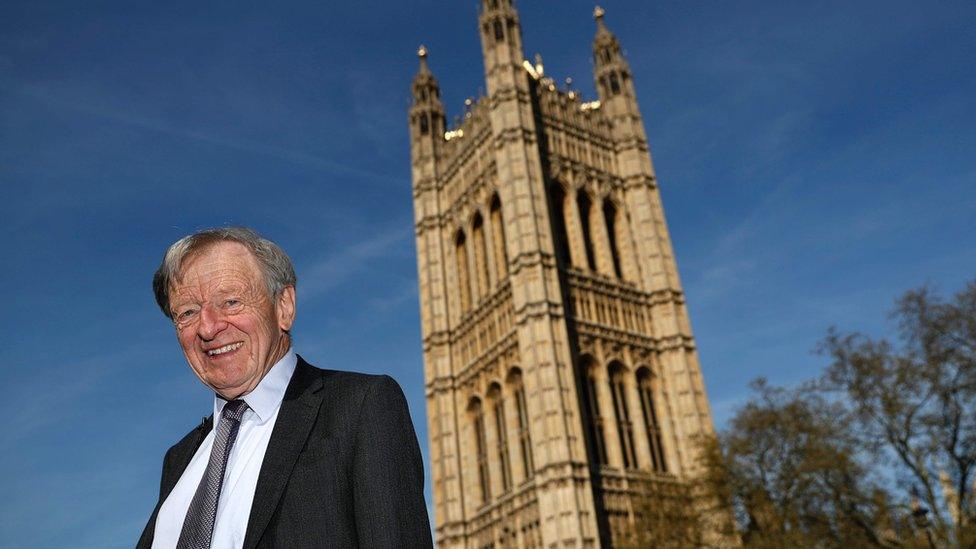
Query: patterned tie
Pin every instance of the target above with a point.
(199, 523)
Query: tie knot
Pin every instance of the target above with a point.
(234, 410)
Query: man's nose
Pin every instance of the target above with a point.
(211, 322)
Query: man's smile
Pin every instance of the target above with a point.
(230, 347)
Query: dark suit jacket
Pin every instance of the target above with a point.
(342, 469)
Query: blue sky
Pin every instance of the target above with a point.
(816, 159)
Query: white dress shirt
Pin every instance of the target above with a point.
(243, 465)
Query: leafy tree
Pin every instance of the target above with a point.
(880, 451)
(667, 516)
(915, 404)
(793, 475)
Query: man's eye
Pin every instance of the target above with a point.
(232, 302)
(184, 315)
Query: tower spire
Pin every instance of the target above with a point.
(606, 47)
(598, 14)
(427, 112)
(426, 91)
(501, 45)
(422, 54)
(610, 68)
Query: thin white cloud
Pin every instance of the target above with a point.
(67, 96)
(330, 271)
(385, 303)
(37, 402)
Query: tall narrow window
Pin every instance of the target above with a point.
(614, 83)
(501, 442)
(424, 124)
(610, 215)
(498, 239)
(522, 411)
(625, 428)
(592, 404)
(481, 447)
(561, 237)
(584, 205)
(645, 384)
(480, 256)
(464, 281)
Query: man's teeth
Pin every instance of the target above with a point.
(225, 348)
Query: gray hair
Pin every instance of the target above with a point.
(279, 273)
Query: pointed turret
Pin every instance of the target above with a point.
(427, 114)
(501, 45)
(426, 122)
(611, 72)
(422, 55)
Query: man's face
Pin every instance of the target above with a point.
(231, 330)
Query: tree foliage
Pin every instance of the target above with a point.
(793, 468)
(667, 515)
(879, 451)
(915, 405)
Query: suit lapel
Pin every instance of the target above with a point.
(299, 408)
(182, 454)
(173, 468)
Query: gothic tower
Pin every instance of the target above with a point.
(561, 375)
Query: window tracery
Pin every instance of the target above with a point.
(646, 386)
(625, 428)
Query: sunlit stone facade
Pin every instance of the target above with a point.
(562, 377)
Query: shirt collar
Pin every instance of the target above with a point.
(267, 396)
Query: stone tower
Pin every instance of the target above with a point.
(562, 377)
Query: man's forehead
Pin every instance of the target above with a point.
(216, 262)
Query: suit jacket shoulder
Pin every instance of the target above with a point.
(357, 480)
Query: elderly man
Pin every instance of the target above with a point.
(293, 456)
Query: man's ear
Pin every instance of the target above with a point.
(285, 308)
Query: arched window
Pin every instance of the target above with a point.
(584, 205)
(610, 215)
(499, 31)
(464, 281)
(424, 124)
(501, 442)
(645, 385)
(480, 255)
(625, 428)
(561, 237)
(522, 412)
(591, 403)
(614, 83)
(498, 239)
(481, 447)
